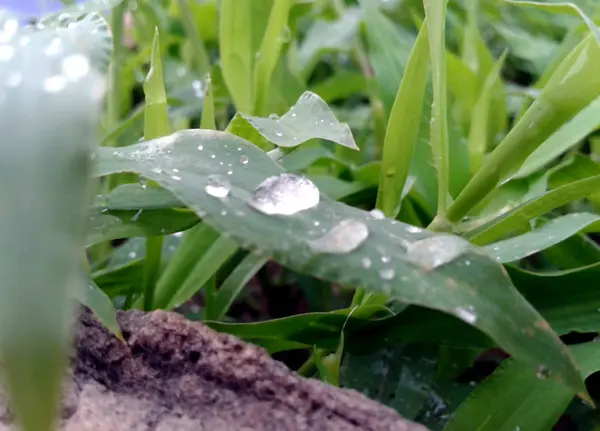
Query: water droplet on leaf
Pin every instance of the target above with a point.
(244, 160)
(430, 253)
(377, 214)
(466, 314)
(366, 262)
(543, 372)
(217, 187)
(387, 273)
(285, 194)
(344, 237)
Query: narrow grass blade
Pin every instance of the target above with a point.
(156, 124)
(515, 219)
(564, 7)
(565, 138)
(268, 55)
(200, 59)
(233, 285)
(48, 118)
(551, 233)
(561, 99)
(505, 400)
(208, 106)
(90, 295)
(403, 126)
(435, 11)
(481, 117)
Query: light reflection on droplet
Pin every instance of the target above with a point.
(285, 194)
(217, 187)
(76, 66)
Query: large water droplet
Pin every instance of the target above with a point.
(344, 237)
(217, 187)
(466, 314)
(377, 214)
(430, 253)
(285, 194)
(76, 66)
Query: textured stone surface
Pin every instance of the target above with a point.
(178, 375)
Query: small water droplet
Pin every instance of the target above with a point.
(413, 229)
(385, 259)
(178, 234)
(466, 314)
(200, 147)
(433, 252)
(543, 372)
(366, 262)
(132, 255)
(239, 148)
(198, 88)
(176, 178)
(377, 214)
(293, 115)
(285, 194)
(217, 187)
(273, 117)
(316, 222)
(387, 273)
(244, 160)
(175, 170)
(279, 134)
(143, 182)
(344, 237)
(157, 170)
(223, 213)
(229, 172)
(212, 156)
(55, 84)
(76, 66)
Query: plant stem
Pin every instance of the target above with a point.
(151, 269)
(201, 58)
(308, 368)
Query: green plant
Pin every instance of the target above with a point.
(503, 173)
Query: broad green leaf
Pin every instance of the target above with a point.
(565, 7)
(432, 273)
(136, 197)
(48, 113)
(309, 118)
(436, 17)
(234, 283)
(551, 233)
(398, 377)
(562, 98)
(403, 126)
(515, 219)
(96, 300)
(268, 55)
(505, 401)
(482, 117)
(567, 136)
(328, 36)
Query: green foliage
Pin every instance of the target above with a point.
(240, 197)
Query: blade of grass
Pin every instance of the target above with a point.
(435, 12)
(156, 124)
(233, 285)
(403, 128)
(562, 98)
(200, 57)
(208, 106)
(269, 53)
(480, 118)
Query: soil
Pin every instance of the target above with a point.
(178, 375)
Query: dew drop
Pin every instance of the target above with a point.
(200, 147)
(76, 66)
(175, 170)
(229, 172)
(239, 148)
(175, 177)
(273, 117)
(217, 187)
(387, 273)
(212, 156)
(132, 255)
(385, 259)
(157, 170)
(413, 229)
(433, 252)
(244, 160)
(344, 237)
(466, 314)
(285, 194)
(366, 262)
(543, 372)
(198, 88)
(55, 84)
(377, 214)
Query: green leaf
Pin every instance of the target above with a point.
(48, 113)
(515, 219)
(551, 233)
(309, 118)
(506, 400)
(435, 11)
(403, 128)
(233, 285)
(200, 55)
(432, 273)
(208, 107)
(398, 377)
(561, 99)
(565, 138)
(156, 118)
(96, 300)
(268, 55)
(481, 117)
(565, 7)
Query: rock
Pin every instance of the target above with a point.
(177, 375)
